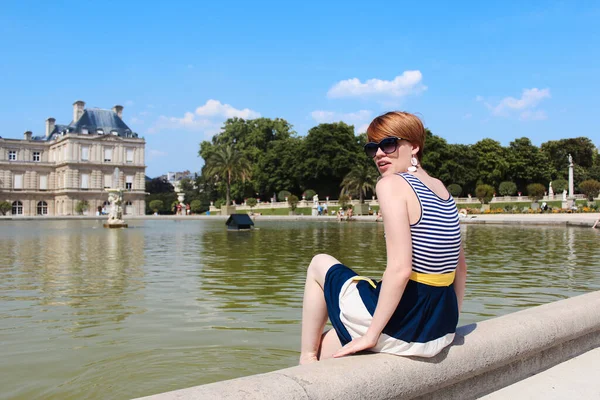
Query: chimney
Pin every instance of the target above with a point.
(78, 110)
(27, 135)
(50, 126)
(118, 110)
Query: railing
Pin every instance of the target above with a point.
(373, 202)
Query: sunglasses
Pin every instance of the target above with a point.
(387, 145)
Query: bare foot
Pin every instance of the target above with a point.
(308, 359)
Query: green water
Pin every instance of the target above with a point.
(87, 312)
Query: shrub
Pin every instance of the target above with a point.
(5, 207)
(484, 193)
(591, 188)
(251, 202)
(309, 194)
(293, 201)
(344, 202)
(559, 185)
(535, 191)
(219, 203)
(81, 206)
(156, 205)
(507, 188)
(455, 190)
(282, 195)
(196, 206)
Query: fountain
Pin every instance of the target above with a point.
(115, 199)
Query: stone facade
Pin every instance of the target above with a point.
(50, 174)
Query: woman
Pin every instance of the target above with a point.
(414, 309)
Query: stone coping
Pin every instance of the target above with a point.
(484, 357)
(581, 219)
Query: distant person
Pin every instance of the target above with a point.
(350, 212)
(325, 209)
(596, 223)
(339, 215)
(414, 309)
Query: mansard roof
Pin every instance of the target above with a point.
(96, 121)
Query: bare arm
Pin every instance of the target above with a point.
(398, 242)
(460, 280)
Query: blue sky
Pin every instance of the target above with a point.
(470, 69)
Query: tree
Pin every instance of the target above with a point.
(484, 193)
(329, 153)
(81, 206)
(344, 201)
(251, 202)
(559, 185)
(283, 195)
(460, 167)
(293, 202)
(581, 149)
(309, 194)
(507, 188)
(527, 163)
(5, 207)
(535, 191)
(361, 178)
(159, 185)
(492, 165)
(591, 188)
(454, 190)
(229, 165)
(435, 155)
(196, 206)
(156, 205)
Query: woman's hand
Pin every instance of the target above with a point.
(358, 344)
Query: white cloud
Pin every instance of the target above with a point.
(402, 85)
(359, 119)
(525, 106)
(129, 103)
(214, 108)
(135, 120)
(207, 118)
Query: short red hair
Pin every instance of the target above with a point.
(399, 124)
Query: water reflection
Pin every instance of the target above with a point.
(87, 311)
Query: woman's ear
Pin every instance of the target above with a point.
(415, 150)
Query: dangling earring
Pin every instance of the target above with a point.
(413, 164)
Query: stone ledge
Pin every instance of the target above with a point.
(483, 358)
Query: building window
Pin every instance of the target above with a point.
(107, 154)
(107, 181)
(129, 182)
(64, 153)
(12, 155)
(85, 153)
(18, 183)
(43, 182)
(42, 208)
(85, 181)
(17, 208)
(129, 157)
(36, 156)
(100, 131)
(84, 131)
(115, 133)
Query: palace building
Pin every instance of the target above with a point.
(51, 174)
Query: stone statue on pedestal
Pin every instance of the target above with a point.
(550, 190)
(564, 195)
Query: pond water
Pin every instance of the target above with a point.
(87, 312)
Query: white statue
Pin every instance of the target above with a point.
(115, 199)
(564, 196)
(316, 199)
(550, 190)
(570, 161)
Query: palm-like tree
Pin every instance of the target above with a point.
(361, 178)
(230, 164)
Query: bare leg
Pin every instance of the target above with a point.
(314, 309)
(330, 344)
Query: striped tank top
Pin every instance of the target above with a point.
(436, 236)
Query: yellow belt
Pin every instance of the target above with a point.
(433, 279)
(426, 279)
